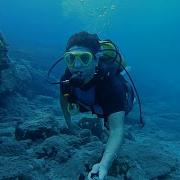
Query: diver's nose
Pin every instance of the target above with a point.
(77, 63)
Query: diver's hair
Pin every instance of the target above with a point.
(84, 39)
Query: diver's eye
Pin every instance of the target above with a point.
(86, 58)
(70, 58)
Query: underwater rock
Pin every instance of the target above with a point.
(85, 133)
(19, 167)
(85, 136)
(128, 133)
(11, 147)
(148, 159)
(15, 79)
(136, 172)
(8, 82)
(54, 148)
(175, 175)
(127, 169)
(16, 108)
(47, 104)
(7, 132)
(4, 60)
(41, 86)
(33, 81)
(81, 161)
(41, 99)
(19, 77)
(7, 78)
(93, 124)
(25, 80)
(37, 129)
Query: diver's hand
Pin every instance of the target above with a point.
(99, 171)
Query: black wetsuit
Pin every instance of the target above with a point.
(111, 94)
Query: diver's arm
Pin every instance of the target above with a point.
(116, 124)
(67, 116)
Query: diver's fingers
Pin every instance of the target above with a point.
(94, 170)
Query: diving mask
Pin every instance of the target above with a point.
(84, 57)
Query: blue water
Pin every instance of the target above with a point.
(147, 33)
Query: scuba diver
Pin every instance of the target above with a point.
(93, 82)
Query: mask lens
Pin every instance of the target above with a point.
(69, 58)
(86, 58)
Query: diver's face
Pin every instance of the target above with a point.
(81, 60)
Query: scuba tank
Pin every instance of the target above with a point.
(109, 59)
(112, 62)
